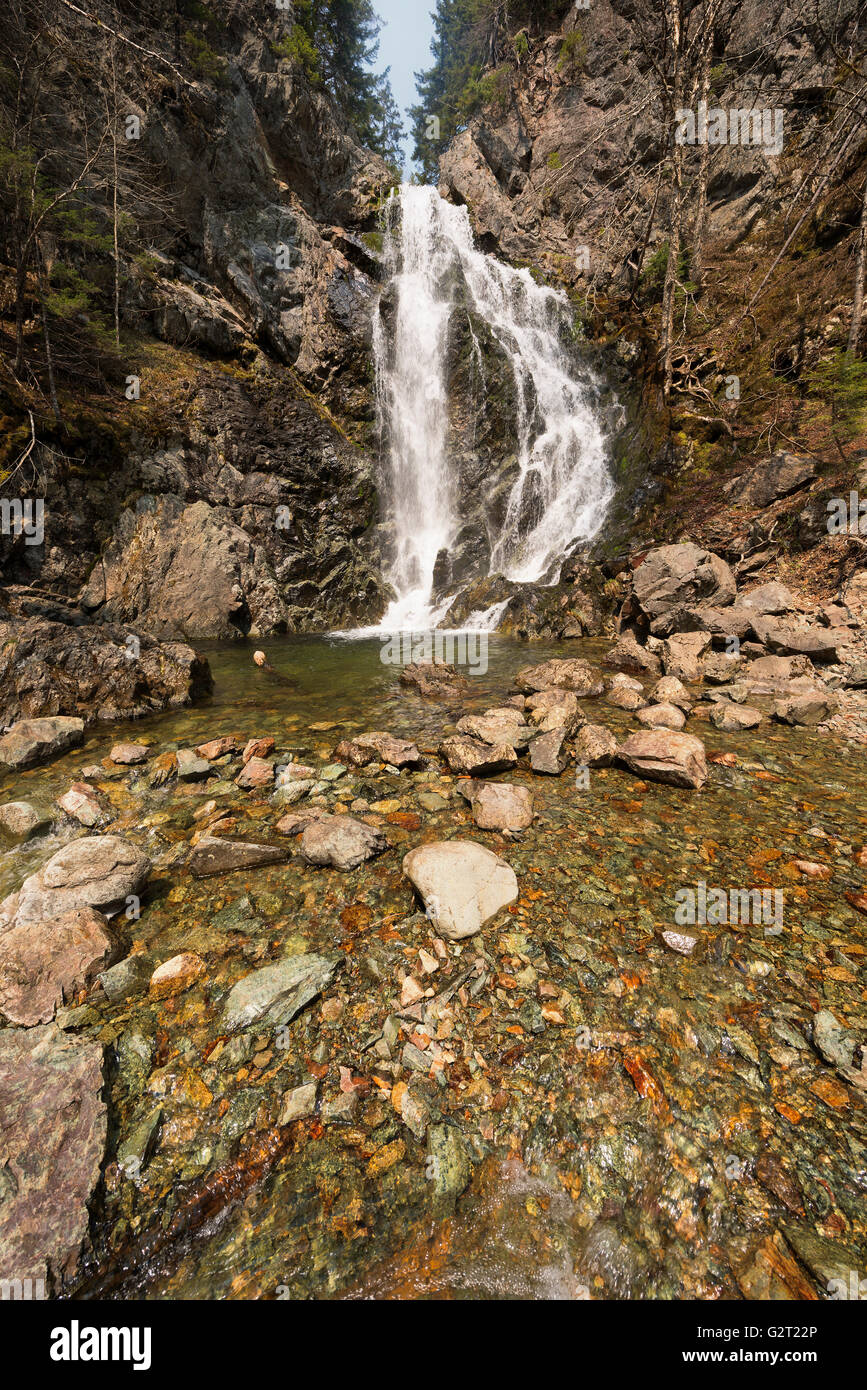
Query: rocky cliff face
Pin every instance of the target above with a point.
(236, 493)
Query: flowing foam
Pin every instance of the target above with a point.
(563, 487)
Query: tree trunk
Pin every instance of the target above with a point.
(20, 300)
(49, 356)
(858, 294)
(676, 211)
(704, 152)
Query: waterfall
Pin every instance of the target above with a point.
(562, 488)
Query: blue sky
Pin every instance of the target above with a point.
(404, 45)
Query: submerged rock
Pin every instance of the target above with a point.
(341, 841)
(101, 871)
(44, 964)
(461, 883)
(31, 741)
(52, 1141)
(500, 806)
(21, 821)
(176, 975)
(663, 756)
(833, 1040)
(215, 856)
(570, 673)
(436, 679)
(273, 995)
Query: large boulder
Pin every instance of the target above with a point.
(44, 963)
(100, 871)
(663, 756)
(94, 673)
(52, 1144)
(461, 883)
(31, 741)
(673, 576)
(478, 759)
(570, 673)
(186, 571)
(778, 476)
(378, 747)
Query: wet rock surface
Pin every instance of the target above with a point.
(656, 1104)
(52, 1137)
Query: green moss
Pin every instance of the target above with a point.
(573, 53)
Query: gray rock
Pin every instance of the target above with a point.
(99, 871)
(779, 476)
(462, 885)
(769, 598)
(672, 576)
(192, 768)
(833, 1040)
(135, 1151)
(127, 977)
(273, 995)
(213, 855)
(548, 754)
(31, 741)
(298, 1104)
(341, 841)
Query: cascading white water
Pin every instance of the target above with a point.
(563, 487)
